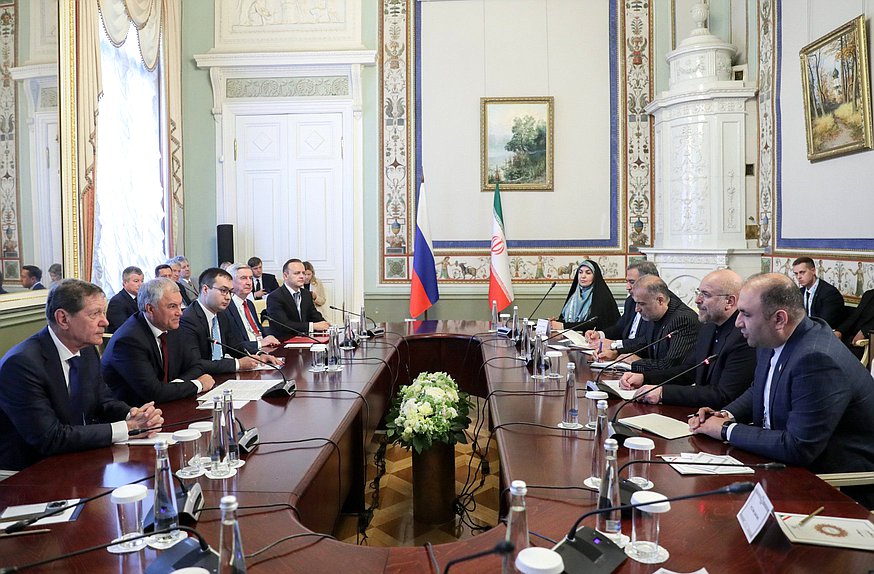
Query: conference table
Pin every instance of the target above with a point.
(319, 472)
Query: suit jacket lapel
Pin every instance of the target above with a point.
(57, 383)
(254, 313)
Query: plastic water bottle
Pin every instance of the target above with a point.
(362, 325)
(601, 434)
(231, 430)
(571, 405)
(218, 445)
(495, 319)
(166, 515)
(232, 559)
(517, 525)
(609, 523)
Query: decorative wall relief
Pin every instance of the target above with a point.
(10, 233)
(287, 87)
(767, 136)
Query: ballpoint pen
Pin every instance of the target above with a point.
(811, 515)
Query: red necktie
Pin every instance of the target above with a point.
(166, 359)
(251, 319)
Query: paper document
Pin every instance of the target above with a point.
(692, 463)
(665, 427)
(204, 406)
(243, 390)
(620, 366)
(701, 570)
(613, 386)
(578, 340)
(165, 436)
(301, 345)
(822, 530)
(9, 515)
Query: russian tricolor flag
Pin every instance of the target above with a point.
(423, 286)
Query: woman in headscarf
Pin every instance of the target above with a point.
(589, 297)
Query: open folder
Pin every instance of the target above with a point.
(663, 426)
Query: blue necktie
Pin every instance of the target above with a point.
(76, 401)
(216, 336)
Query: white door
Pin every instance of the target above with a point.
(289, 181)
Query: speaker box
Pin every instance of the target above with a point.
(224, 242)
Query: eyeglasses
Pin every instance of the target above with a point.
(223, 290)
(706, 295)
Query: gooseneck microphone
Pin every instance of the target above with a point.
(585, 550)
(626, 355)
(297, 332)
(501, 548)
(625, 431)
(572, 327)
(545, 295)
(284, 389)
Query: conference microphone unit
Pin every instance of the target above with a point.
(280, 390)
(548, 291)
(137, 432)
(189, 553)
(375, 332)
(585, 550)
(621, 431)
(23, 523)
(189, 503)
(501, 548)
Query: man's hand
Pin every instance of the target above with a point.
(321, 326)
(270, 341)
(247, 363)
(146, 416)
(556, 326)
(631, 380)
(605, 354)
(651, 397)
(206, 382)
(707, 421)
(259, 293)
(593, 337)
(271, 360)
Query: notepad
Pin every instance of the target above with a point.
(613, 388)
(250, 390)
(620, 366)
(151, 441)
(660, 425)
(578, 340)
(822, 530)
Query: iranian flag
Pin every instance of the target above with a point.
(500, 283)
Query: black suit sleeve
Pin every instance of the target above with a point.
(129, 358)
(862, 314)
(830, 307)
(193, 331)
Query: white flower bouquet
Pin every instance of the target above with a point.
(430, 409)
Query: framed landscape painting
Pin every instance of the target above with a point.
(837, 96)
(516, 143)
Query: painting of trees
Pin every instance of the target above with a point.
(517, 143)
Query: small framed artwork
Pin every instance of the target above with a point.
(837, 95)
(516, 143)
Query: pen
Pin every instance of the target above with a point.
(811, 515)
(600, 347)
(26, 532)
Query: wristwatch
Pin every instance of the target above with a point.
(723, 433)
(616, 345)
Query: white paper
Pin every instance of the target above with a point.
(262, 367)
(250, 390)
(8, 515)
(754, 513)
(557, 347)
(688, 464)
(661, 425)
(620, 366)
(542, 327)
(208, 406)
(827, 530)
(299, 345)
(165, 436)
(701, 570)
(578, 340)
(614, 385)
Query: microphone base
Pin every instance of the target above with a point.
(626, 490)
(248, 441)
(590, 552)
(280, 390)
(185, 554)
(622, 432)
(376, 332)
(504, 332)
(188, 505)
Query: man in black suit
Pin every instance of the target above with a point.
(146, 358)
(52, 397)
(859, 324)
(186, 286)
(31, 277)
(714, 383)
(811, 403)
(620, 335)
(242, 316)
(821, 298)
(290, 309)
(204, 321)
(262, 283)
(124, 303)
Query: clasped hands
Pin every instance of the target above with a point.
(144, 417)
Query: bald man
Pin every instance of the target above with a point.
(716, 382)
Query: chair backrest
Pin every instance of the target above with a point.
(260, 307)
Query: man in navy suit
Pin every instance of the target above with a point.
(205, 321)
(716, 382)
(146, 358)
(31, 277)
(242, 316)
(290, 309)
(621, 335)
(811, 403)
(52, 397)
(124, 303)
(262, 283)
(821, 298)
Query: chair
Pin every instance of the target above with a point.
(866, 354)
(260, 308)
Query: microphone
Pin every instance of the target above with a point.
(548, 291)
(284, 389)
(501, 548)
(137, 432)
(621, 436)
(626, 355)
(292, 329)
(375, 332)
(586, 550)
(24, 523)
(563, 331)
(188, 552)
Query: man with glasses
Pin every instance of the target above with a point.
(720, 380)
(207, 330)
(620, 336)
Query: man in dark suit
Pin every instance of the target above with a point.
(124, 303)
(620, 335)
(821, 298)
(242, 316)
(204, 321)
(290, 309)
(186, 286)
(146, 358)
(811, 403)
(860, 322)
(262, 283)
(716, 382)
(31, 277)
(52, 397)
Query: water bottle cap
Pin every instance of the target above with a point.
(518, 487)
(654, 502)
(128, 493)
(602, 404)
(318, 348)
(611, 443)
(553, 354)
(186, 435)
(639, 443)
(228, 503)
(596, 395)
(539, 560)
(572, 366)
(161, 444)
(202, 426)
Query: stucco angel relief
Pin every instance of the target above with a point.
(259, 13)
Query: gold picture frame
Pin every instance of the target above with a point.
(837, 95)
(516, 147)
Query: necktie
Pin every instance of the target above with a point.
(164, 359)
(255, 330)
(216, 336)
(807, 301)
(296, 297)
(257, 284)
(76, 398)
(766, 415)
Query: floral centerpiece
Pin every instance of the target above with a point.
(429, 410)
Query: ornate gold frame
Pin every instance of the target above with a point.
(69, 151)
(855, 27)
(548, 101)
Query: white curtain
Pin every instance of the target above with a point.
(145, 15)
